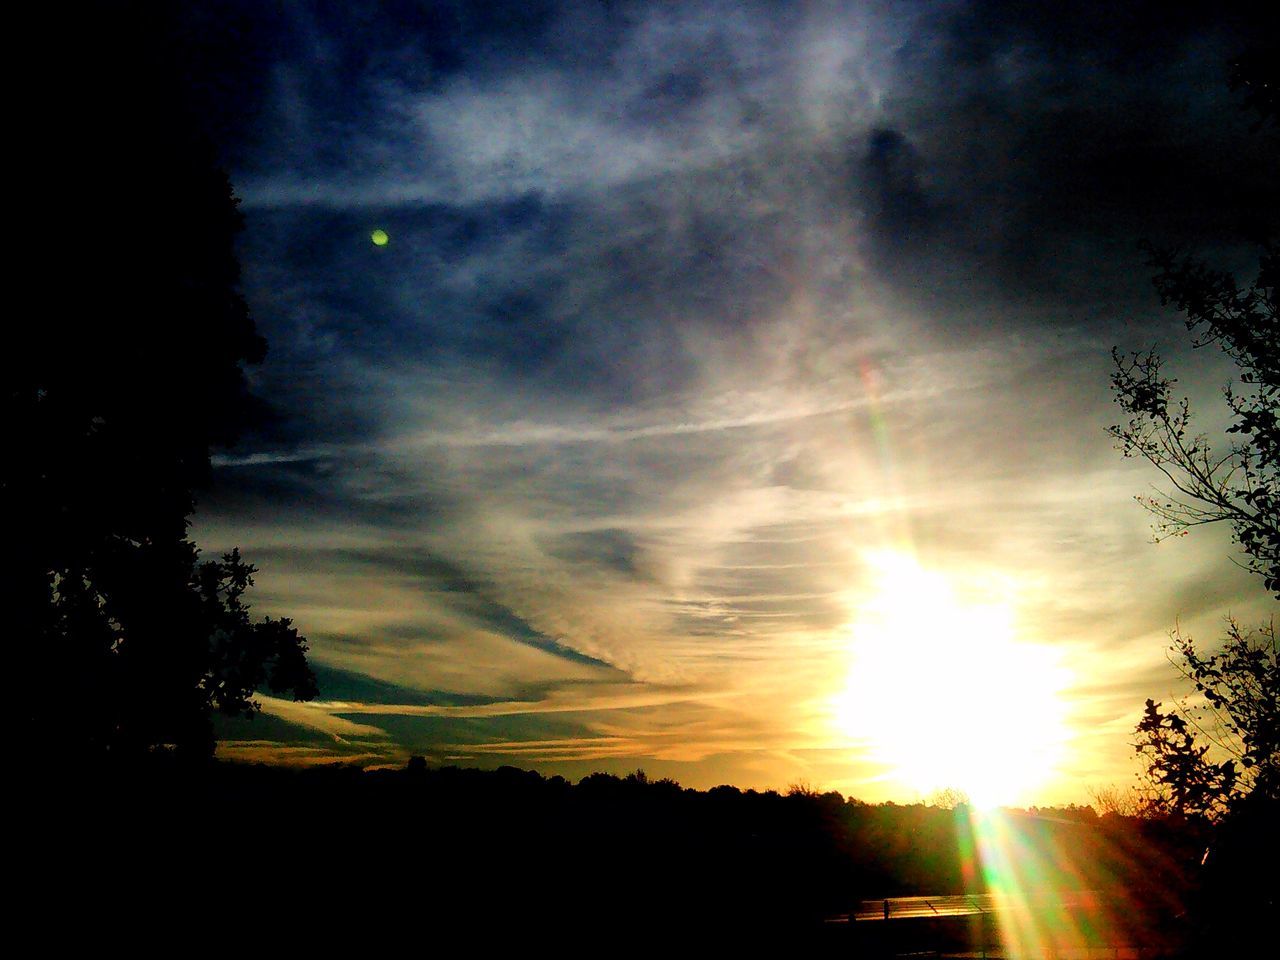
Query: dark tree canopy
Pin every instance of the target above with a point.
(1215, 755)
(1207, 755)
(121, 373)
(1238, 480)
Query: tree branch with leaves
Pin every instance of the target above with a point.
(1223, 743)
(1237, 482)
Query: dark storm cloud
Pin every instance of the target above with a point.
(1018, 159)
(1045, 140)
(894, 197)
(335, 61)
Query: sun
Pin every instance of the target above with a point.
(941, 691)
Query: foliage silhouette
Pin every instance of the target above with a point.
(114, 391)
(511, 849)
(1239, 483)
(1239, 717)
(949, 798)
(1215, 759)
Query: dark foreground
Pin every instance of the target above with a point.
(339, 858)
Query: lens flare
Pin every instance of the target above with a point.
(1044, 907)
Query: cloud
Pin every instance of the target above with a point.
(685, 308)
(292, 755)
(680, 90)
(314, 717)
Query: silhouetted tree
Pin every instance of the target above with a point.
(1216, 758)
(1237, 716)
(1237, 482)
(1115, 801)
(1256, 74)
(948, 798)
(120, 373)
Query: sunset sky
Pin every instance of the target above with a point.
(729, 398)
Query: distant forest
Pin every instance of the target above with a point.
(460, 847)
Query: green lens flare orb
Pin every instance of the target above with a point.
(379, 238)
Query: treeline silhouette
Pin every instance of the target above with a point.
(117, 381)
(509, 850)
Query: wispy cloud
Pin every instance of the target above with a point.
(683, 314)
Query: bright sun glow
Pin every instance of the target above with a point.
(942, 692)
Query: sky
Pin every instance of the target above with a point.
(729, 399)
